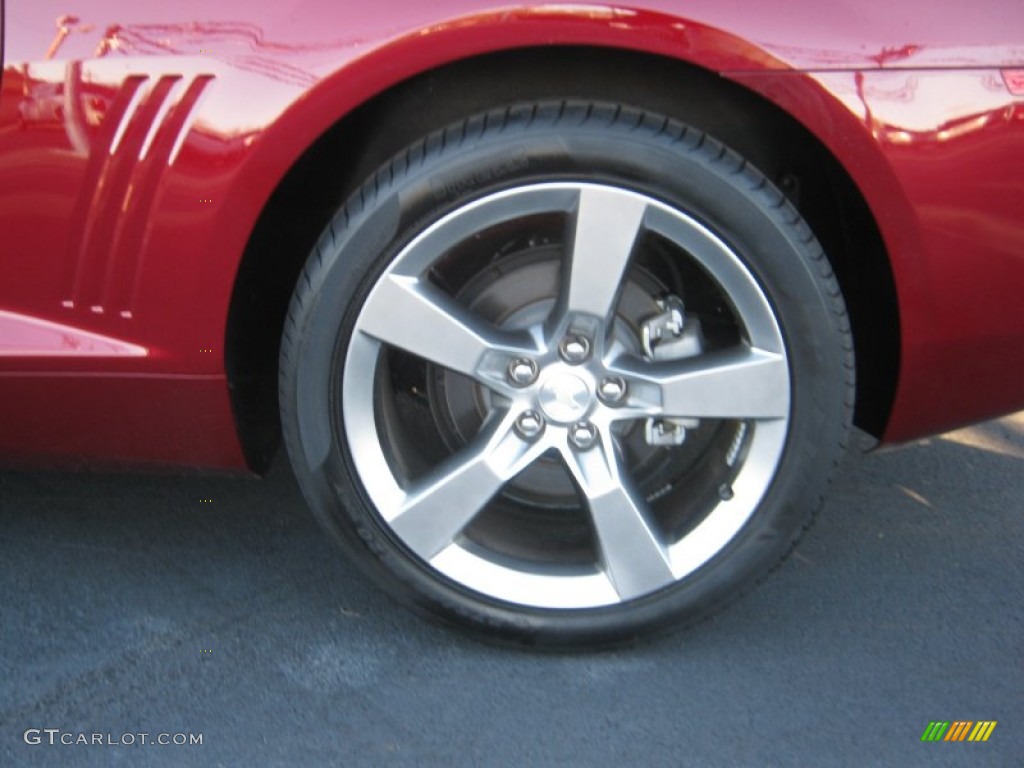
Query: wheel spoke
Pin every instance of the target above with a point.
(603, 234)
(632, 553)
(411, 315)
(441, 504)
(731, 384)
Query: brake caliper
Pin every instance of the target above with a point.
(670, 335)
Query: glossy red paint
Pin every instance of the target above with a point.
(116, 421)
(140, 141)
(939, 156)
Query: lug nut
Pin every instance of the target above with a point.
(583, 435)
(529, 425)
(612, 390)
(522, 372)
(574, 349)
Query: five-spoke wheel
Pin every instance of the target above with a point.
(567, 379)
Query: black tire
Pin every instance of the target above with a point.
(417, 415)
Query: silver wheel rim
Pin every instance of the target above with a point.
(747, 384)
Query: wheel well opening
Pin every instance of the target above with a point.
(353, 148)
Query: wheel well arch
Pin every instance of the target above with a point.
(341, 158)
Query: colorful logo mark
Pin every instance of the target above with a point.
(958, 730)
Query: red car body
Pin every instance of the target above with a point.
(144, 148)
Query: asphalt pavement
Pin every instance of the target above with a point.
(212, 606)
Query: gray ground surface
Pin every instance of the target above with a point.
(129, 605)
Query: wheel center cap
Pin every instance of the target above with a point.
(565, 397)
